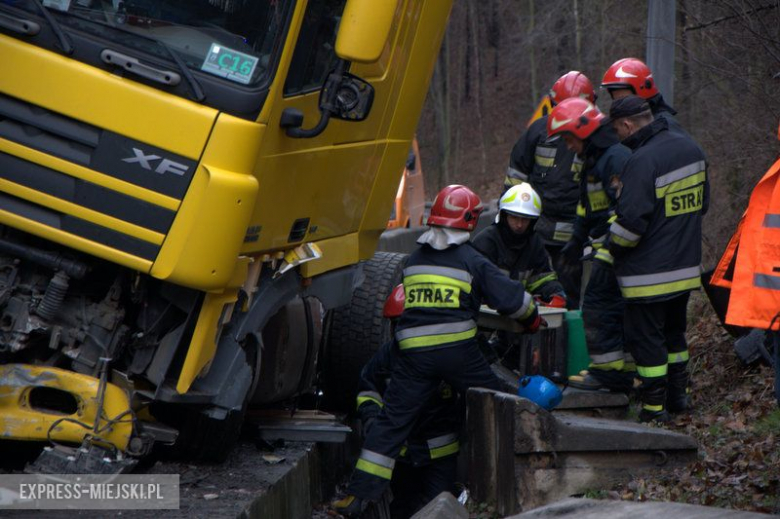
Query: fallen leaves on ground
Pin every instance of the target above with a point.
(737, 424)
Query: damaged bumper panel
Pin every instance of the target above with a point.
(39, 403)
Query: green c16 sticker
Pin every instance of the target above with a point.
(229, 64)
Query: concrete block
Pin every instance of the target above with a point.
(537, 457)
(443, 506)
(596, 509)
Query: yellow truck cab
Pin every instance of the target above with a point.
(191, 193)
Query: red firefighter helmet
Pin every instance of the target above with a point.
(576, 116)
(456, 207)
(394, 304)
(631, 73)
(572, 84)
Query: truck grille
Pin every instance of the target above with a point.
(30, 190)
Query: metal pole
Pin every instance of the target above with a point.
(660, 44)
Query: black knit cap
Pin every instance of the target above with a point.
(626, 107)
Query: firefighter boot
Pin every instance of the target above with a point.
(350, 506)
(652, 394)
(677, 399)
(599, 379)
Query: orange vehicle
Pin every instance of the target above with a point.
(409, 205)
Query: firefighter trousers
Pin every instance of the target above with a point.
(655, 336)
(414, 486)
(415, 377)
(570, 276)
(602, 315)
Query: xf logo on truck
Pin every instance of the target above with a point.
(148, 162)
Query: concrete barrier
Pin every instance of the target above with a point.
(522, 457)
(594, 509)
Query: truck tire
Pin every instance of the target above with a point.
(357, 330)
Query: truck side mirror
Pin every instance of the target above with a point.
(365, 27)
(349, 99)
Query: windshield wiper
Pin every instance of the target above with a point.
(65, 44)
(197, 90)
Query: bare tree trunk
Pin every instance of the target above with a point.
(440, 92)
(602, 32)
(532, 55)
(473, 20)
(577, 35)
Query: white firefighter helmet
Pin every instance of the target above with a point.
(520, 200)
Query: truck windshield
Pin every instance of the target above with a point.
(234, 42)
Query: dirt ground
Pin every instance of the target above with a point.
(736, 421)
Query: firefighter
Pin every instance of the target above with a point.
(428, 462)
(630, 76)
(553, 171)
(656, 243)
(579, 123)
(513, 246)
(445, 280)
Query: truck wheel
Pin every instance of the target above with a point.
(357, 330)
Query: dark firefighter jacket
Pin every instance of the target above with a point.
(553, 171)
(444, 289)
(661, 110)
(435, 435)
(604, 159)
(656, 238)
(521, 257)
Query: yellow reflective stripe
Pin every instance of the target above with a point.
(544, 161)
(612, 218)
(605, 256)
(435, 340)
(619, 240)
(598, 200)
(440, 452)
(652, 371)
(374, 469)
(629, 366)
(436, 279)
(681, 184)
(662, 288)
(616, 365)
(538, 283)
(515, 176)
(683, 202)
(404, 450)
(363, 399)
(654, 408)
(676, 358)
(528, 312)
(526, 309)
(580, 209)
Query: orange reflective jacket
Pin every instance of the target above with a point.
(750, 267)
